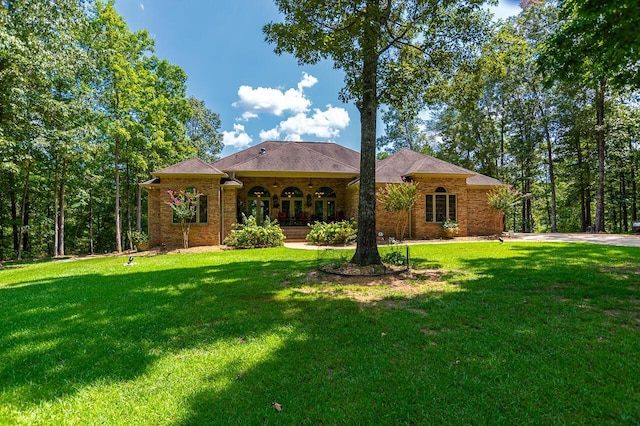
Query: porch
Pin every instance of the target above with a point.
(295, 233)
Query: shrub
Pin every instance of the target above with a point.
(323, 233)
(394, 258)
(249, 234)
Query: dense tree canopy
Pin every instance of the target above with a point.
(87, 111)
(390, 51)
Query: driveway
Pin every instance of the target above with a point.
(609, 239)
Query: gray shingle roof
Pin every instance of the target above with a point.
(304, 157)
(407, 162)
(193, 166)
(482, 180)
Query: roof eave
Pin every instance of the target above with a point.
(191, 175)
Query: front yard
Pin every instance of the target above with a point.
(481, 333)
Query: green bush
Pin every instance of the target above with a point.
(249, 234)
(394, 257)
(323, 233)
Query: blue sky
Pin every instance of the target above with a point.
(258, 94)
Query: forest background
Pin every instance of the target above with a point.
(87, 112)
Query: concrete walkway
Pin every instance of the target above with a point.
(609, 239)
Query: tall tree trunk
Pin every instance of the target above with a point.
(56, 211)
(116, 161)
(634, 193)
(367, 246)
(552, 178)
(138, 208)
(581, 188)
(90, 220)
(128, 198)
(23, 211)
(61, 203)
(600, 97)
(14, 213)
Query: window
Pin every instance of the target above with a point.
(441, 206)
(292, 199)
(324, 208)
(201, 208)
(258, 200)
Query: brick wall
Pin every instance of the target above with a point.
(161, 228)
(483, 220)
(456, 186)
(230, 210)
(475, 217)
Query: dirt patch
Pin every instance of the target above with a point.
(399, 280)
(391, 291)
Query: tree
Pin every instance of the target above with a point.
(404, 129)
(398, 198)
(596, 43)
(390, 51)
(203, 130)
(119, 87)
(184, 205)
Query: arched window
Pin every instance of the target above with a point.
(258, 192)
(325, 192)
(441, 206)
(291, 203)
(291, 192)
(258, 199)
(324, 205)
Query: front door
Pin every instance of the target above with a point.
(259, 208)
(324, 210)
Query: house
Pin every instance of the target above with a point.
(301, 182)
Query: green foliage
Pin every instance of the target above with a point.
(183, 206)
(394, 257)
(249, 234)
(87, 112)
(176, 339)
(138, 237)
(203, 130)
(343, 232)
(504, 198)
(391, 52)
(571, 52)
(399, 198)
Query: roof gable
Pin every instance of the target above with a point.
(407, 162)
(192, 166)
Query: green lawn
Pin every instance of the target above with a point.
(513, 334)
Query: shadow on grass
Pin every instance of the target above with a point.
(61, 334)
(543, 336)
(541, 333)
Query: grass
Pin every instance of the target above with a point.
(513, 334)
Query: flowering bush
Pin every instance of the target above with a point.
(184, 205)
(450, 228)
(398, 197)
(504, 199)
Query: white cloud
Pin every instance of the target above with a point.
(274, 101)
(270, 135)
(142, 7)
(247, 115)
(307, 81)
(237, 138)
(322, 124)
